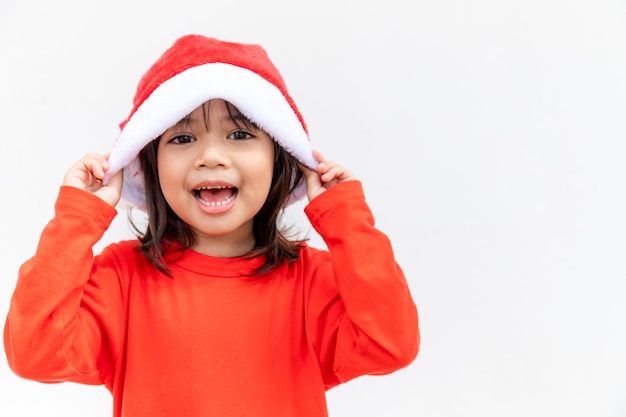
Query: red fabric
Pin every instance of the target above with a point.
(211, 341)
(193, 50)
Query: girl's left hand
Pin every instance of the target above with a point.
(326, 175)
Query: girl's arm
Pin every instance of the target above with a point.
(363, 319)
(54, 330)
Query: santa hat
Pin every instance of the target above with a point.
(192, 71)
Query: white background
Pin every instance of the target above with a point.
(490, 137)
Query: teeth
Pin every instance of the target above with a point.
(217, 203)
(217, 187)
(214, 203)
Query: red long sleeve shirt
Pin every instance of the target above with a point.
(211, 340)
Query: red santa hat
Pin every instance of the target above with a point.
(192, 71)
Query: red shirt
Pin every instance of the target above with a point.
(211, 340)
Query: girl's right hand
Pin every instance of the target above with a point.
(87, 174)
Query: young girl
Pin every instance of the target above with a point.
(212, 311)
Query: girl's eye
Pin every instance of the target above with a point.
(180, 139)
(240, 135)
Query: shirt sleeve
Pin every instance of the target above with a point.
(54, 329)
(362, 318)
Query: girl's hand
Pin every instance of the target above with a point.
(87, 175)
(326, 175)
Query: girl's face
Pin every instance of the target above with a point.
(215, 173)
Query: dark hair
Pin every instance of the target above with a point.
(165, 230)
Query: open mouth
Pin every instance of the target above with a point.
(215, 196)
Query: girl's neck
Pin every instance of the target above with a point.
(222, 247)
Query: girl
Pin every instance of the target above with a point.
(212, 311)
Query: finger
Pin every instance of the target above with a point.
(96, 165)
(328, 168)
(311, 176)
(322, 164)
(313, 181)
(111, 193)
(86, 172)
(305, 169)
(318, 156)
(117, 181)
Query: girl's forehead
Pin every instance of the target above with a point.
(212, 108)
(215, 110)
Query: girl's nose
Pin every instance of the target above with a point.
(211, 154)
